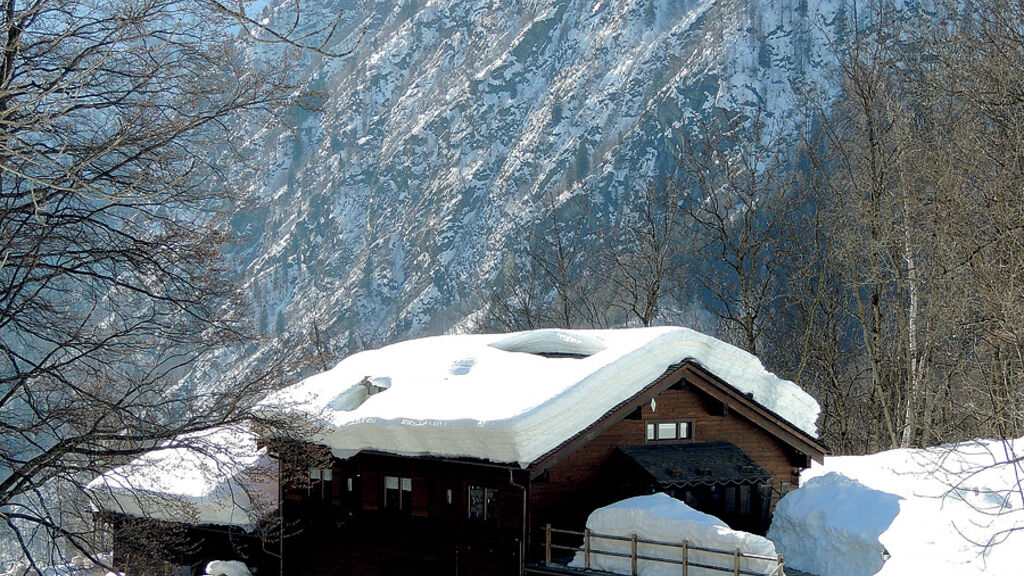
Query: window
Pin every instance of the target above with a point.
(397, 493)
(669, 430)
(483, 503)
(325, 474)
(319, 482)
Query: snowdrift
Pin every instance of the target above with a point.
(953, 510)
(663, 518)
(831, 525)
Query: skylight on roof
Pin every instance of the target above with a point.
(552, 344)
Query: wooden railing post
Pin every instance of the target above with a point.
(586, 548)
(686, 557)
(633, 553)
(547, 545)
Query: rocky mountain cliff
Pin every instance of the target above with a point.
(392, 190)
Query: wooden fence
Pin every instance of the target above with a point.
(682, 558)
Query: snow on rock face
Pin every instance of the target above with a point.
(225, 480)
(663, 518)
(498, 398)
(931, 509)
(396, 199)
(227, 568)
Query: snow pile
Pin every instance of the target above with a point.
(832, 524)
(932, 510)
(663, 518)
(227, 568)
(217, 477)
(512, 398)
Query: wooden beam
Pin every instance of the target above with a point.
(745, 406)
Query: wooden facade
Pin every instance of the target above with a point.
(382, 514)
(437, 530)
(385, 514)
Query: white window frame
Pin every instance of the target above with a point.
(319, 477)
(402, 484)
(682, 430)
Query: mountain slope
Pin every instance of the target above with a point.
(391, 195)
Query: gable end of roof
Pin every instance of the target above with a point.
(750, 409)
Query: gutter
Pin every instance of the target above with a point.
(522, 540)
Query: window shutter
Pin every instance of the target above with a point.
(371, 490)
(420, 496)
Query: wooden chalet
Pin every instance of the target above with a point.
(687, 432)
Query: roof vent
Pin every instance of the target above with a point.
(462, 367)
(354, 396)
(552, 344)
(375, 385)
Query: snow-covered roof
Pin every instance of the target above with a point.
(513, 397)
(951, 510)
(216, 477)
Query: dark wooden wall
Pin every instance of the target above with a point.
(582, 481)
(355, 534)
(152, 547)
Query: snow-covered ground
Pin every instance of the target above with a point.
(955, 510)
(660, 517)
(502, 397)
(78, 566)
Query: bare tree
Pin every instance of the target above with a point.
(922, 230)
(640, 256)
(738, 208)
(977, 169)
(548, 281)
(116, 120)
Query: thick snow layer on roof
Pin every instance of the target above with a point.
(511, 397)
(217, 477)
(931, 510)
(663, 518)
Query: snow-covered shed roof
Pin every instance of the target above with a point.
(513, 397)
(216, 477)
